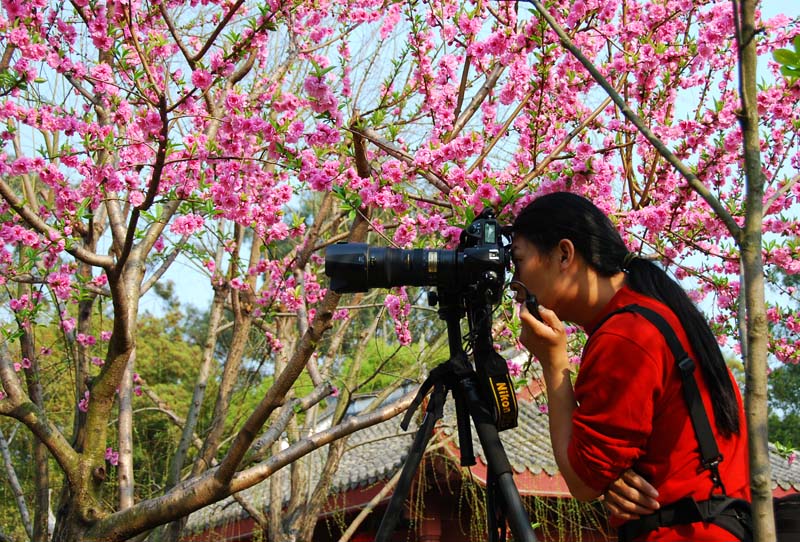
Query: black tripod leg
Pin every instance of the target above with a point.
(498, 464)
(415, 453)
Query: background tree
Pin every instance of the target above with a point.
(242, 138)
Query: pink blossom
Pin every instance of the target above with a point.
(406, 232)
(86, 340)
(201, 79)
(273, 342)
(112, 456)
(324, 135)
(399, 309)
(105, 335)
(187, 224)
(83, 404)
(485, 193)
(61, 284)
(67, 323)
(136, 197)
(20, 304)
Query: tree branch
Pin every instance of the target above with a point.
(687, 174)
(390, 149)
(194, 494)
(477, 100)
(16, 488)
(52, 234)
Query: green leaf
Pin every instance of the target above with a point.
(469, 213)
(789, 71)
(786, 57)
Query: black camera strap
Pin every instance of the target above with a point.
(728, 513)
(493, 376)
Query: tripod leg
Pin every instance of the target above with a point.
(498, 464)
(395, 508)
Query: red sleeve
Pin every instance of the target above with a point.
(617, 385)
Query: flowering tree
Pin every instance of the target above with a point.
(246, 136)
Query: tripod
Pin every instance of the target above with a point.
(503, 502)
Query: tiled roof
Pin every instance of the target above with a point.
(372, 454)
(527, 446)
(785, 474)
(375, 453)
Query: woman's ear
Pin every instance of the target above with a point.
(566, 253)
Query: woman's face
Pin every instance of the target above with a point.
(538, 271)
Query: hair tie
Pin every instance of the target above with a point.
(626, 261)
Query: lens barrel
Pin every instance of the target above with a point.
(357, 267)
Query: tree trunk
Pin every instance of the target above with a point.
(305, 523)
(172, 532)
(276, 494)
(16, 488)
(125, 465)
(40, 455)
(753, 268)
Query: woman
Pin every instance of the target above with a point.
(626, 414)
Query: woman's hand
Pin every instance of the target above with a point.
(545, 339)
(630, 497)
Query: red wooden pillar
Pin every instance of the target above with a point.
(430, 527)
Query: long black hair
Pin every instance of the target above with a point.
(562, 215)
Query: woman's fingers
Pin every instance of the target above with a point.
(618, 512)
(643, 486)
(630, 496)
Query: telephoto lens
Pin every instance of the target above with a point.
(357, 267)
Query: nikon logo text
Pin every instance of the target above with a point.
(504, 396)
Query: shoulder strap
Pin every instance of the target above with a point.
(709, 451)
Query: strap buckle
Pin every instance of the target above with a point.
(712, 465)
(686, 365)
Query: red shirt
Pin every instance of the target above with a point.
(632, 414)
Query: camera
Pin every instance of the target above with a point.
(476, 267)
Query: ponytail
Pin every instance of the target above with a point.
(563, 215)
